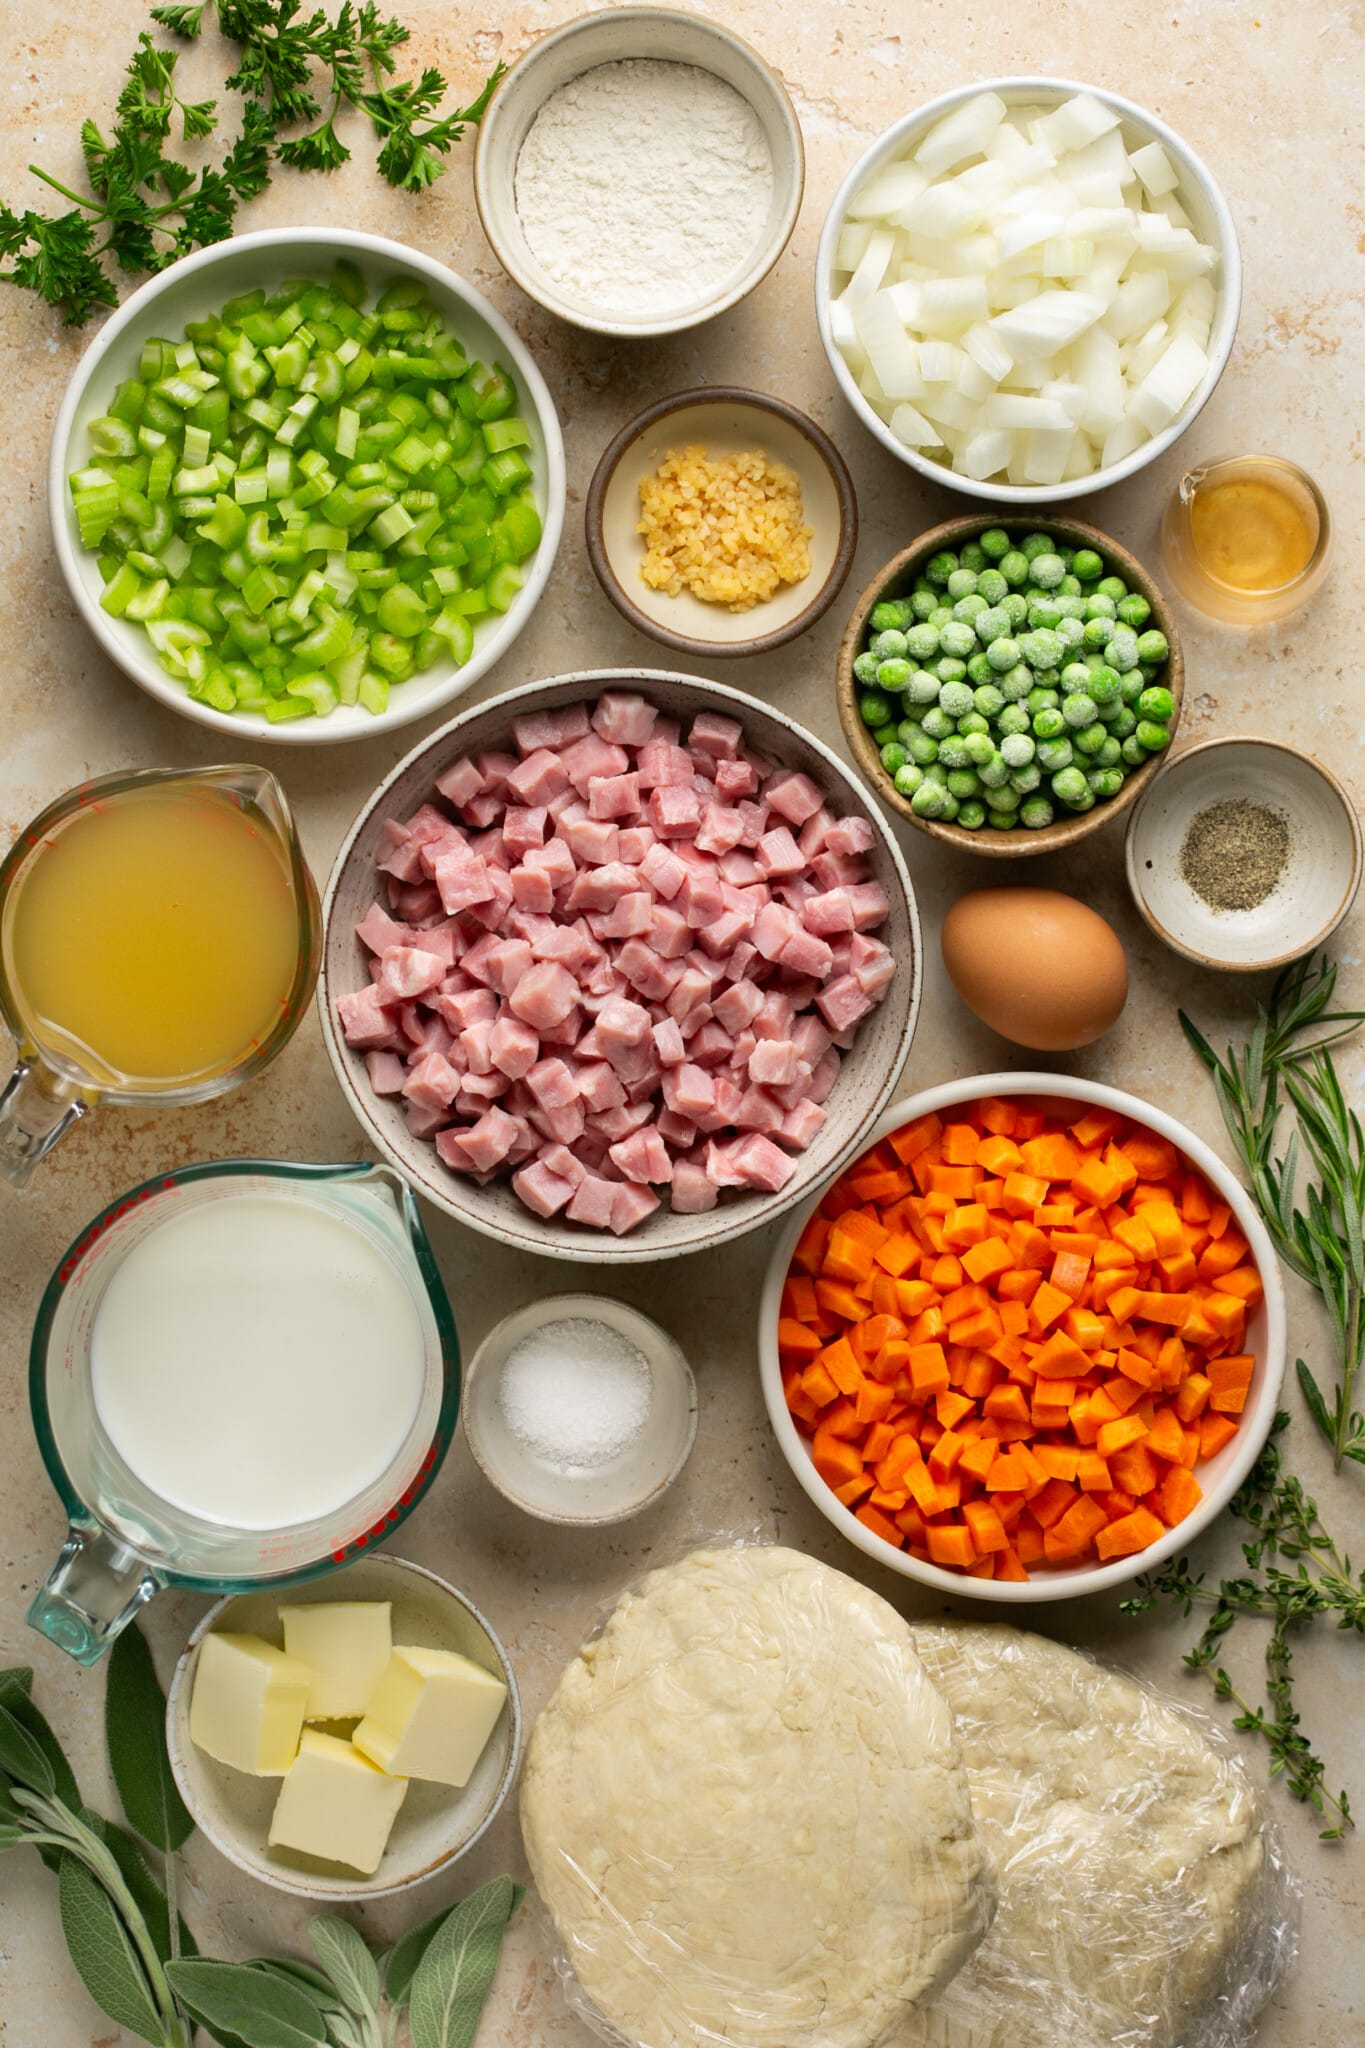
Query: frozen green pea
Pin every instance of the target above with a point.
(994, 773)
(1134, 609)
(957, 639)
(1042, 649)
(893, 756)
(894, 676)
(939, 568)
(922, 602)
(1132, 750)
(1070, 586)
(884, 734)
(993, 623)
(1036, 813)
(1105, 684)
(1152, 735)
(1078, 710)
(908, 778)
(1016, 683)
(1014, 567)
(936, 723)
(1003, 654)
(940, 615)
(1071, 633)
(1125, 723)
(892, 614)
(1040, 699)
(1048, 724)
(1005, 798)
(922, 641)
(928, 800)
(956, 698)
(968, 610)
(991, 585)
(1070, 787)
(907, 728)
(1046, 678)
(963, 784)
(1107, 782)
(936, 772)
(1096, 635)
(889, 646)
(979, 669)
(1076, 676)
(1156, 703)
(1015, 607)
(971, 815)
(1042, 612)
(1090, 740)
(994, 543)
(979, 744)
(1035, 544)
(1086, 564)
(1131, 686)
(921, 749)
(1111, 712)
(1112, 587)
(1153, 646)
(1053, 755)
(1014, 718)
(952, 751)
(972, 722)
(972, 555)
(865, 669)
(1002, 821)
(1109, 754)
(1026, 779)
(950, 808)
(949, 670)
(1099, 605)
(1048, 570)
(873, 708)
(988, 700)
(962, 583)
(1016, 750)
(922, 688)
(1122, 654)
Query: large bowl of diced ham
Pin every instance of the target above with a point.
(619, 965)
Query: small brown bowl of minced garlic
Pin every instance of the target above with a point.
(1244, 853)
(721, 521)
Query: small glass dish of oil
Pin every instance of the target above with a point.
(1246, 539)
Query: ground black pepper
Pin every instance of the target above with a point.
(1234, 853)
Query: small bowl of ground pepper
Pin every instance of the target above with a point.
(721, 521)
(1244, 853)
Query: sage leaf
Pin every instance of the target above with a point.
(348, 1963)
(264, 2011)
(405, 1955)
(22, 1756)
(147, 1893)
(135, 1728)
(16, 1683)
(14, 1699)
(320, 1987)
(105, 1958)
(453, 1979)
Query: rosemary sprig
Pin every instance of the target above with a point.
(1295, 1572)
(1288, 1056)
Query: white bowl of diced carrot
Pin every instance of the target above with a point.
(1029, 1344)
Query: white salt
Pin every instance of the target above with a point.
(575, 1393)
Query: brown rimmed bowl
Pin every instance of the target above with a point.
(896, 578)
(724, 419)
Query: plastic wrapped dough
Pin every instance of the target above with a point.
(745, 1811)
(1143, 1903)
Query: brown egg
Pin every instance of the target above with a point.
(1037, 966)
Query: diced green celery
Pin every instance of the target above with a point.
(472, 604)
(390, 525)
(261, 587)
(316, 690)
(227, 524)
(500, 435)
(145, 564)
(251, 486)
(95, 496)
(502, 586)
(457, 633)
(245, 374)
(330, 638)
(236, 310)
(256, 537)
(279, 472)
(175, 556)
(296, 419)
(146, 603)
(414, 544)
(373, 695)
(503, 473)
(310, 587)
(112, 438)
(521, 522)
(129, 400)
(282, 710)
(191, 483)
(150, 441)
(402, 612)
(153, 360)
(447, 578)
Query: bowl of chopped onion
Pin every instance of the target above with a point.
(1028, 289)
(306, 485)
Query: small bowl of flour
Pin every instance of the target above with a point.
(579, 1409)
(639, 171)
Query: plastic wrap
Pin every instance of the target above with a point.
(1144, 1901)
(746, 1814)
(746, 1822)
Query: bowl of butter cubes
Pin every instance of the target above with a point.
(347, 1741)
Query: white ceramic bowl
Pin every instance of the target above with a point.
(1219, 1476)
(1320, 878)
(199, 285)
(436, 1824)
(870, 1070)
(610, 1492)
(614, 35)
(1198, 193)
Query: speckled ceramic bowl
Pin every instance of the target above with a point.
(870, 1070)
(436, 1824)
(611, 37)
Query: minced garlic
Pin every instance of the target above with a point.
(728, 528)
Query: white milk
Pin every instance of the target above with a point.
(257, 1361)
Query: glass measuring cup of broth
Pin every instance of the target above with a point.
(244, 1373)
(158, 942)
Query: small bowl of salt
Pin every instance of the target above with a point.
(579, 1409)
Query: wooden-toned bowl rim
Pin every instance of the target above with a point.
(899, 571)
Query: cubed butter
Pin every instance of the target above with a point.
(248, 1703)
(335, 1804)
(346, 1644)
(431, 1716)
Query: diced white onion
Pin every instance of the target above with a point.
(963, 133)
(1155, 169)
(913, 428)
(1169, 385)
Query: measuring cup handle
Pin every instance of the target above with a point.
(35, 1112)
(94, 1590)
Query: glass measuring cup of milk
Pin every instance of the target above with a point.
(244, 1372)
(158, 942)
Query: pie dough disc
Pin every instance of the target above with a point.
(745, 1811)
(1126, 1847)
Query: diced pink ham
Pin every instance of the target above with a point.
(842, 1002)
(721, 828)
(386, 1071)
(827, 913)
(764, 1165)
(804, 953)
(460, 783)
(668, 1043)
(553, 727)
(870, 907)
(624, 718)
(407, 972)
(598, 1086)
(591, 1201)
(379, 931)
(544, 995)
(364, 1020)
(872, 964)
(613, 796)
(593, 841)
(462, 879)
(674, 811)
(715, 735)
(801, 1124)
(662, 764)
(488, 1142)
(544, 1193)
(754, 818)
(774, 1062)
(432, 1083)
(532, 890)
(824, 1077)
(630, 916)
(634, 843)
(471, 1006)
(692, 1190)
(774, 929)
(664, 870)
(591, 757)
(643, 1157)
(513, 1046)
(777, 854)
(524, 828)
(735, 779)
(553, 859)
(792, 795)
(630, 1205)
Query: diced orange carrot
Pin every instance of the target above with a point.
(956, 1181)
(928, 1369)
(880, 1525)
(999, 1156)
(1226, 1252)
(878, 1442)
(1226, 1312)
(1059, 1358)
(961, 1142)
(1192, 1396)
(871, 1402)
(1131, 1532)
(1244, 1282)
(946, 1273)
(1116, 1436)
(977, 1459)
(1007, 1404)
(1079, 1526)
(1008, 1474)
(835, 1460)
(1214, 1432)
(987, 1529)
(1166, 1438)
(1135, 1470)
(1135, 1367)
(1230, 1379)
(1178, 1493)
(984, 1260)
(944, 1456)
(951, 1543)
(1024, 1193)
(854, 1489)
(911, 1139)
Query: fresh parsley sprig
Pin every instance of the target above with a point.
(1288, 1056)
(1294, 1574)
(146, 207)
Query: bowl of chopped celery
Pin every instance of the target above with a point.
(1028, 289)
(306, 484)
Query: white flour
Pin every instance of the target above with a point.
(643, 186)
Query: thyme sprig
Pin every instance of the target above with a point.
(1295, 1572)
(1288, 1057)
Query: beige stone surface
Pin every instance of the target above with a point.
(1271, 99)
